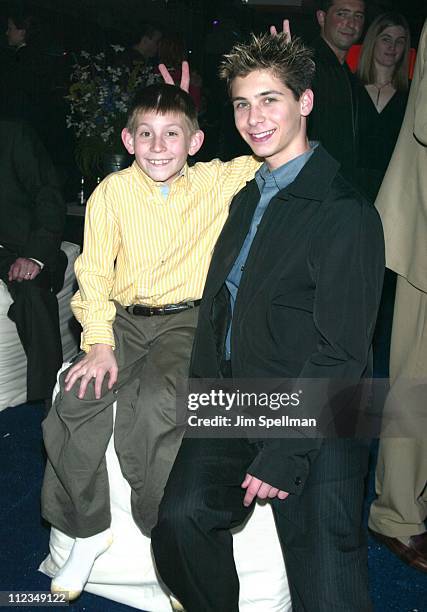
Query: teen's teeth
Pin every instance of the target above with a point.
(263, 134)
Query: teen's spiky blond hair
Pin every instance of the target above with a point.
(291, 62)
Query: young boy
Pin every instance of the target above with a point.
(149, 234)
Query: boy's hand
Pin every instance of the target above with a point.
(286, 30)
(257, 488)
(185, 76)
(98, 362)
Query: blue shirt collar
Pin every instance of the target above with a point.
(284, 175)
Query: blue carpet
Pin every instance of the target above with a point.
(24, 538)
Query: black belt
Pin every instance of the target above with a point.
(150, 311)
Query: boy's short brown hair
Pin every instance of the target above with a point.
(291, 62)
(161, 98)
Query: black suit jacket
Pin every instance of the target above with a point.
(333, 120)
(32, 210)
(307, 301)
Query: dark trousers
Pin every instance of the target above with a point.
(321, 533)
(152, 355)
(35, 314)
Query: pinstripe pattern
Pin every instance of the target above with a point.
(141, 248)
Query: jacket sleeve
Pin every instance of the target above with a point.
(347, 266)
(36, 173)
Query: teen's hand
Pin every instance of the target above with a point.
(23, 269)
(286, 30)
(257, 488)
(98, 362)
(185, 76)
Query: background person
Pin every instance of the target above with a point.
(333, 119)
(382, 97)
(397, 517)
(32, 217)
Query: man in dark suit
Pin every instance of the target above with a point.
(334, 118)
(32, 216)
(292, 293)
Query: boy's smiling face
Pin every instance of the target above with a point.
(269, 118)
(161, 144)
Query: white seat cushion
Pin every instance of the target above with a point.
(13, 361)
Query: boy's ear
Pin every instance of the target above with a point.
(306, 102)
(127, 139)
(196, 142)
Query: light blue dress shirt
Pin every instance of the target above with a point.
(269, 184)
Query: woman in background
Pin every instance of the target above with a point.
(383, 72)
(383, 93)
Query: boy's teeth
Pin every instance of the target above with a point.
(262, 134)
(159, 162)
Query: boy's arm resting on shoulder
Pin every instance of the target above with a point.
(233, 175)
(348, 269)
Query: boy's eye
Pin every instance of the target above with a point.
(269, 100)
(145, 134)
(171, 133)
(240, 105)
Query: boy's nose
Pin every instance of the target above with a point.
(157, 144)
(255, 116)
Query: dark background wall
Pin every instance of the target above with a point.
(71, 24)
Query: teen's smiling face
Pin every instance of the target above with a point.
(161, 144)
(269, 118)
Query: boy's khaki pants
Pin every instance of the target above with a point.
(153, 355)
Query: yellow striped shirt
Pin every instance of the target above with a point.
(140, 248)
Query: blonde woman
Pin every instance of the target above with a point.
(382, 97)
(383, 72)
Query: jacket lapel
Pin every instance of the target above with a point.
(232, 237)
(283, 225)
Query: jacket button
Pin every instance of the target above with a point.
(298, 481)
(115, 391)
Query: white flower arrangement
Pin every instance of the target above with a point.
(102, 85)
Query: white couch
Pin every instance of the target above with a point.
(13, 362)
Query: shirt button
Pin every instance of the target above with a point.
(242, 268)
(115, 391)
(298, 481)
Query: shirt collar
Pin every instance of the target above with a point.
(284, 175)
(180, 181)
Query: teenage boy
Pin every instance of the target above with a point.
(292, 292)
(149, 234)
